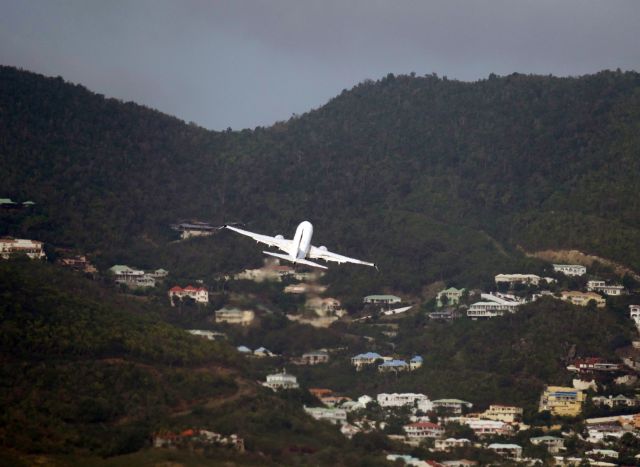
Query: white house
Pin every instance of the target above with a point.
(450, 296)
(262, 352)
(634, 313)
(19, 246)
(199, 294)
(583, 298)
(131, 277)
(209, 335)
(415, 362)
(532, 279)
(408, 399)
(512, 451)
(454, 406)
(281, 380)
(570, 269)
(381, 299)
(602, 287)
(488, 427)
(615, 402)
(423, 430)
(451, 443)
(337, 416)
(492, 306)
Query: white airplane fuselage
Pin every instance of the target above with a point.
(302, 240)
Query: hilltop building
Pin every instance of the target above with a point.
(78, 263)
(393, 366)
(553, 444)
(511, 451)
(407, 399)
(19, 246)
(330, 414)
(570, 269)
(562, 401)
(511, 279)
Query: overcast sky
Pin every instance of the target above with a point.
(242, 63)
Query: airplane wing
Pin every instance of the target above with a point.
(322, 253)
(278, 242)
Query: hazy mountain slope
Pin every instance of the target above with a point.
(422, 175)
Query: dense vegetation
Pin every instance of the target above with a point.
(429, 177)
(88, 374)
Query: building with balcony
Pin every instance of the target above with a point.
(562, 401)
(570, 269)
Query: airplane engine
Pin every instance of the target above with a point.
(279, 237)
(323, 248)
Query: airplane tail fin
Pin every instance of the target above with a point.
(306, 262)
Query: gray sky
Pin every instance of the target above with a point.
(243, 63)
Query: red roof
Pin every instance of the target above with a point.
(190, 288)
(201, 289)
(188, 432)
(175, 289)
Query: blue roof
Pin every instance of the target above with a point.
(394, 363)
(368, 355)
(417, 358)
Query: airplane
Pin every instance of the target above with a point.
(300, 248)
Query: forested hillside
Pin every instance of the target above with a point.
(431, 178)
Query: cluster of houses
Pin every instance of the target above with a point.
(196, 438)
(384, 363)
(497, 304)
(136, 278)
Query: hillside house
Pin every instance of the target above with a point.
(262, 352)
(511, 451)
(423, 430)
(553, 444)
(134, 278)
(592, 364)
(194, 229)
(453, 406)
(570, 269)
(393, 366)
(234, 316)
(602, 287)
(364, 359)
(415, 362)
(381, 300)
(503, 413)
(634, 314)
(619, 401)
(583, 298)
(198, 294)
(333, 415)
(407, 399)
(10, 247)
(311, 358)
(450, 296)
(562, 401)
(78, 263)
(159, 274)
(492, 306)
(282, 380)
(451, 443)
(512, 279)
(483, 428)
(324, 306)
